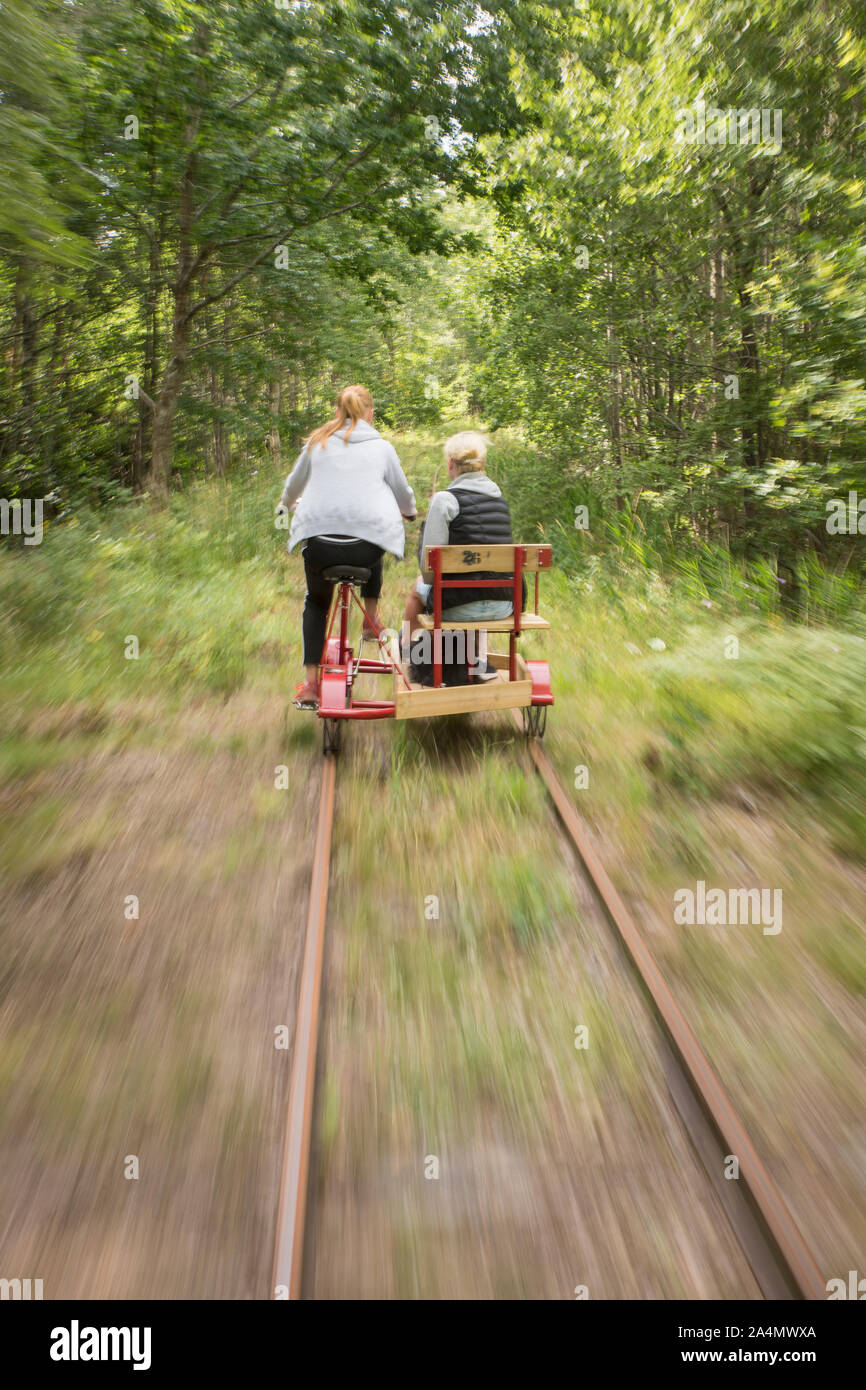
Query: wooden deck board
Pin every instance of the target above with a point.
(421, 701)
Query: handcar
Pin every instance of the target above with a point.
(517, 684)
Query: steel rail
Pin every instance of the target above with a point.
(797, 1274)
(291, 1213)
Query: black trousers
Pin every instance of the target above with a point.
(320, 553)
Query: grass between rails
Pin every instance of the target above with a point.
(463, 955)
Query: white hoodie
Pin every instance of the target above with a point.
(350, 488)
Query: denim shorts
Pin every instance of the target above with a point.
(491, 608)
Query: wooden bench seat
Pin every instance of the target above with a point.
(528, 622)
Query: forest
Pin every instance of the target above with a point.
(632, 231)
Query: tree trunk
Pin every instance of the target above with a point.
(143, 443)
(57, 349)
(750, 366)
(613, 387)
(26, 334)
(169, 394)
(174, 376)
(275, 444)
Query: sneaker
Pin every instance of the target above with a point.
(488, 673)
(307, 695)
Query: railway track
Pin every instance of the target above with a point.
(783, 1265)
(292, 1209)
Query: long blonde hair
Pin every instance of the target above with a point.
(353, 403)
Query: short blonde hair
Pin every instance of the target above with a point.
(468, 450)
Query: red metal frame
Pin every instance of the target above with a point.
(338, 670)
(539, 673)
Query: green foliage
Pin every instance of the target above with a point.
(38, 170)
(223, 214)
(181, 582)
(254, 186)
(683, 321)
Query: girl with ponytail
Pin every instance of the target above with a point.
(352, 495)
(354, 403)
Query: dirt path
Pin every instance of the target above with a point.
(152, 1038)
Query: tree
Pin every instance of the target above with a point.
(253, 126)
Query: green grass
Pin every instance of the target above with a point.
(841, 949)
(201, 587)
(690, 724)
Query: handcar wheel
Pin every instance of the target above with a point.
(332, 730)
(534, 720)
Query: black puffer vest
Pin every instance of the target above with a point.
(481, 520)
